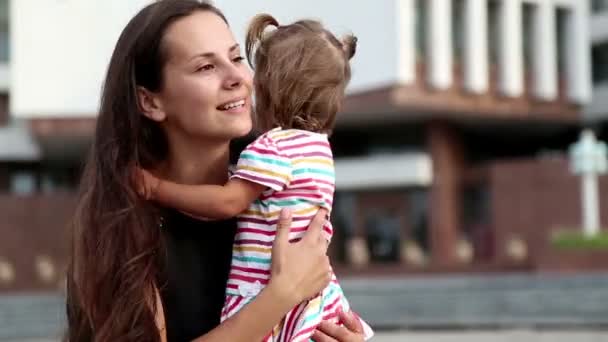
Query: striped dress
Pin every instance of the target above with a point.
(297, 167)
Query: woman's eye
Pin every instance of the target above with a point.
(206, 67)
(238, 59)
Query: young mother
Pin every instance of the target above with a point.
(176, 93)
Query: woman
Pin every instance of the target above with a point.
(175, 95)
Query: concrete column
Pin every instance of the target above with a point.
(476, 46)
(445, 201)
(578, 53)
(511, 50)
(406, 26)
(439, 42)
(544, 52)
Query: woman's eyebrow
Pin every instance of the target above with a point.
(234, 47)
(211, 54)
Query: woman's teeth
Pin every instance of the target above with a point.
(233, 105)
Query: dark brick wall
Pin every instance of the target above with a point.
(34, 226)
(528, 198)
(534, 198)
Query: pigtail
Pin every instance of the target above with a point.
(307, 122)
(255, 33)
(349, 46)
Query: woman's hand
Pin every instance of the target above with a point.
(351, 331)
(299, 270)
(147, 183)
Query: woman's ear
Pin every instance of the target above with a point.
(150, 105)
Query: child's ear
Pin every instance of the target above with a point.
(349, 46)
(150, 105)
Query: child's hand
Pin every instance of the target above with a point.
(147, 184)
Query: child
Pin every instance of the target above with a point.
(301, 72)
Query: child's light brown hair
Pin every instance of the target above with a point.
(301, 72)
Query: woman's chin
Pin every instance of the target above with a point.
(238, 130)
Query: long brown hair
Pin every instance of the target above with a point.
(301, 72)
(116, 246)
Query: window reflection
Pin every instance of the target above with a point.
(599, 55)
(4, 31)
(380, 227)
(599, 5)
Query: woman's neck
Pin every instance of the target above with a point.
(201, 162)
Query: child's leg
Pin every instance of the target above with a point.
(232, 305)
(334, 302)
(309, 315)
(299, 323)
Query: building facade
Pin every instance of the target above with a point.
(596, 111)
(442, 91)
(480, 88)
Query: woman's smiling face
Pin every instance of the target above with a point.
(206, 89)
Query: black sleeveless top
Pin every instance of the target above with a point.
(198, 262)
(197, 266)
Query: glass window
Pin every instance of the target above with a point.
(3, 109)
(59, 178)
(528, 35)
(44, 178)
(494, 31)
(421, 28)
(599, 55)
(382, 233)
(599, 5)
(562, 46)
(4, 28)
(458, 30)
(23, 183)
(476, 206)
(380, 227)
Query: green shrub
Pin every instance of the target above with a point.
(575, 240)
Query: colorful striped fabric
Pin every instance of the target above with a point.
(297, 167)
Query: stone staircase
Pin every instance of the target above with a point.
(431, 302)
(31, 316)
(488, 301)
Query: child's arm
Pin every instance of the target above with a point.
(212, 201)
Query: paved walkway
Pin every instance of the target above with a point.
(495, 336)
(415, 304)
(472, 336)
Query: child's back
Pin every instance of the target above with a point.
(301, 73)
(297, 167)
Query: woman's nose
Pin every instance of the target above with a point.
(234, 77)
